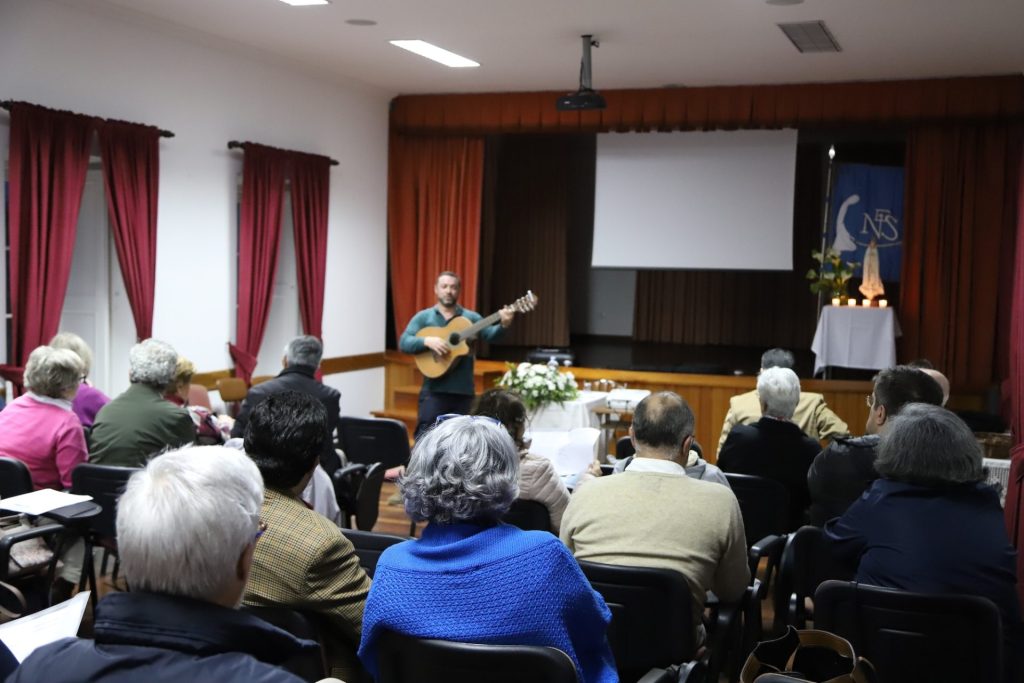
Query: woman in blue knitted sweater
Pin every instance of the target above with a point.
(471, 578)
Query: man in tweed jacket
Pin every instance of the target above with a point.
(303, 561)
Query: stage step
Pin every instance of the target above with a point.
(407, 397)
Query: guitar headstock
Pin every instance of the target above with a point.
(526, 303)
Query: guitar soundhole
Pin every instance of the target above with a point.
(454, 340)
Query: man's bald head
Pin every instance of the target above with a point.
(662, 421)
(941, 379)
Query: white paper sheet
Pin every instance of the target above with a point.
(571, 452)
(41, 501)
(22, 636)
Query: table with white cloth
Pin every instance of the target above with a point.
(855, 337)
(571, 414)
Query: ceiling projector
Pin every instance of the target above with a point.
(586, 97)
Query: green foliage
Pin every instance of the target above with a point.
(832, 276)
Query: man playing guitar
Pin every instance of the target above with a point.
(453, 391)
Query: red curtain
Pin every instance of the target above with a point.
(1015, 493)
(960, 214)
(434, 197)
(259, 234)
(311, 180)
(131, 174)
(49, 157)
(763, 106)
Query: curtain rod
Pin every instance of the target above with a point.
(235, 144)
(6, 104)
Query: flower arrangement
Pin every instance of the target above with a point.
(538, 384)
(832, 275)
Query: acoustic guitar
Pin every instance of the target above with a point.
(458, 332)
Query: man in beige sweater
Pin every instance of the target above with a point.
(654, 515)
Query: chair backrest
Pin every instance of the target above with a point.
(624, 448)
(15, 478)
(764, 504)
(368, 440)
(368, 497)
(198, 395)
(529, 515)
(308, 665)
(404, 659)
(232, 389)
(914, 636)
(806, 562)
(369, 546)
(105, 484)
(652, 616)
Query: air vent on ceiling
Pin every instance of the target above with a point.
(810, 36)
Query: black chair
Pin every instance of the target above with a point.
(404, 659)
(764, 504)
(624, 448)
(529, 515)
(806, 562)
(310, 664)
(369, 546)
(25, 587)
(370, 440)
(914, 636)
(652, 619)
(357, 490)
(105, 484)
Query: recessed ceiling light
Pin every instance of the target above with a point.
(784, 2)
(438, 54)
(360, 22)
(304, 3)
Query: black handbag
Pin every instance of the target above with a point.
(817, 656)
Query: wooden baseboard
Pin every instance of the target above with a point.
(329, 366)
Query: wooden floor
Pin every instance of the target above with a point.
(392, 518)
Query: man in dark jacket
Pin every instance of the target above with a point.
(774, 447)
(301, 360)
(187, 526)
(845, 470)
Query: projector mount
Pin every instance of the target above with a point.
(586, 97)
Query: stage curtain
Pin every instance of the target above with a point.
(49, 158)
(311, 181)
(804, 105)
(1015, 492)
(537, 179)
(740, 308)
(435, 187)
(259, 234)
(959, 217)
(131, 175)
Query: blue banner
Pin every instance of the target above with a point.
(867, 203)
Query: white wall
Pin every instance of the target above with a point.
(87, 59)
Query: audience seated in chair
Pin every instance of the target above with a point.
(811, 415)
(931, 524)
(301, 360)
(89, 399)
(187, 526)
(538, 479)
(695, 465)
(845, 469)
(303, 562)
(39, 427)
(654, 515)
(774, 447)
(471, 578)
(210, 429)
(139, 423)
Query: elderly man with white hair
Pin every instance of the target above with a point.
(775, 447)
(140, 423)
(187, 527)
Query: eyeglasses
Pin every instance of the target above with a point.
(448, 416)
(262, 530)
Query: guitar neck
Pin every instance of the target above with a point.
(474, 329)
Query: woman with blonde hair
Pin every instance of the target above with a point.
(89, 399)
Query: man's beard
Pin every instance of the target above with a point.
(448, 300)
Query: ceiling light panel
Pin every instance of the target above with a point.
(811, 36)
(438, 54)
(305, 3)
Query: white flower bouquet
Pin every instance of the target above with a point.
(538, 384)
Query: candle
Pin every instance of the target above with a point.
(882, 303)
(835, 301)
(866, 303)
(851, 302)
